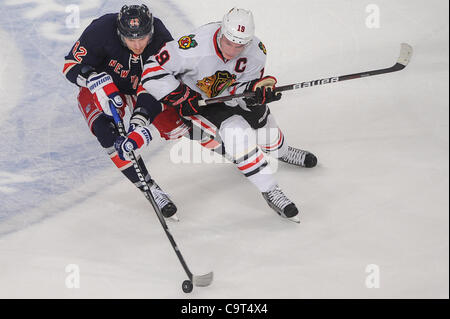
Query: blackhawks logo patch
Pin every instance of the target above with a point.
(187, 42)
(217, 83)
(262, 47)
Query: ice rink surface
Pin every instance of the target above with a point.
(377, 203)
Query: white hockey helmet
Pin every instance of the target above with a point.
(238, 26)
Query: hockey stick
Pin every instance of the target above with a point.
(406, 52)
(198, 281)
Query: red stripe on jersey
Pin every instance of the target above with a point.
(154, 69)
(256, 161)
(137, 138)
(140, 89)
(219, 54)
(118, 162)
(67, 66)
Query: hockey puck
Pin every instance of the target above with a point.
(187, 286)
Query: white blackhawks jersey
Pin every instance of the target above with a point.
(196, 60)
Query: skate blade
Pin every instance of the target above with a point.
(294, 219)
(173, 218)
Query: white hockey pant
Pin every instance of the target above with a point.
(271, 139)
(240, 142)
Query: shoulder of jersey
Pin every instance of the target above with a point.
(103, 27)
(105, 21)
(157, 23)
(200, 37)
(258, 46)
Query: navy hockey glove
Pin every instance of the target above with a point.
(184, 99)
(134, 141)
(103, 88)
(263, 89)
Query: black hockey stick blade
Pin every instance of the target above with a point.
(406, 52)
(203, 280)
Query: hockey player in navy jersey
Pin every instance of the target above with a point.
(219, 59)
(107, 63)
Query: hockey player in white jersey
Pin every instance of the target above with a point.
(219, 59)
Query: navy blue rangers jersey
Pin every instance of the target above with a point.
(100, 47)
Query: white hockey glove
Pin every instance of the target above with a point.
(134, 141)
(139, 118)
(263, 89)
(104, 90)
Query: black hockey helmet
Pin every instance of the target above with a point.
(135, 21)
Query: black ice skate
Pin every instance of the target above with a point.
(166, 206)
(299, 157)
(281, 204)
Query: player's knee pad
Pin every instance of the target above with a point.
(105, 130)
(238, 137)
